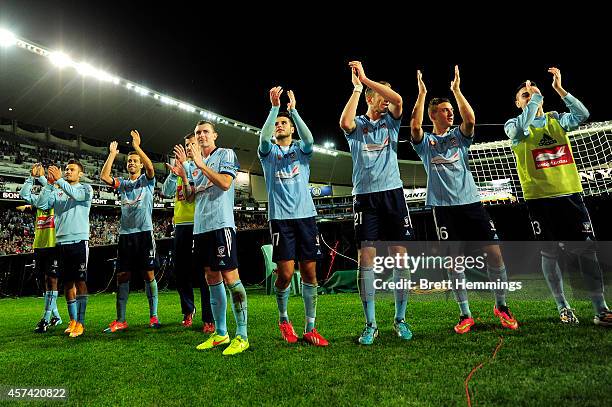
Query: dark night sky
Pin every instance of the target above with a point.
(225, 62)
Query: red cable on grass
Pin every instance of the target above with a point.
(475, 368)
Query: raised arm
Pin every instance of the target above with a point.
(105, 174)
(518, 128)
(267, 131)
(146, 161)
(416, 119)
(394, 98)
(303, 131)
(26, 189)
(347, 119)
(468, 117)
(578, 113)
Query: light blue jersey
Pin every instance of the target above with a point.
(517, 129)
(374, 149)
(71, 204)
(214, 207)
(449, 179)
(136, 204)
(287, 171)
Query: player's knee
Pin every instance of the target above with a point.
(123, 277)
(366, 256)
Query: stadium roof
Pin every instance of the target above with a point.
(98, 105)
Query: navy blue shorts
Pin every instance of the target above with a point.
(216, 249)
(46, 261)
(381, 216)
(470, 222)
(136, 253)
(564, 218)
(295, 239)
(72, 260)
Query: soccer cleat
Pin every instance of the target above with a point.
(464, 325)
(604, 318)
(402, 330)
(154, 322)
(214, 340)
(55, 321)
(287, 331)
(237, 345)
(42, 326)
(368, 335)
(71, 326)
(116, 326)
(78, 330)
(505, 316)
(208, 327)
(188, 318)
(567, 316)
(314, 338)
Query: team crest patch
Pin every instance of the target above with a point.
(195, 173)
(406, 221)
(365, 130)
(82, 267)
(587, 227)
(279, 157)
(221, 251)
(453, 142)
(432, 143)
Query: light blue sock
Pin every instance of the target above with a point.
(81, 301)
(218, 304)
(54, 310)
(151, 289)
(282, 298)
(459, 291)
(554, 279)
(72, 309)
(495, 274)
(48, 306)
(401, 295)
(122, 300)
(309, 294)
(239, 307)
(365, 279)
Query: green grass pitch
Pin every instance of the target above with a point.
(543, 363)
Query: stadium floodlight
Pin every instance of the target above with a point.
(328, 144)
(7, 38)
(86, 70)
(60, 59)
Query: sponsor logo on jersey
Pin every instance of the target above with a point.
(552, 157)
(376, 147)
(288, 175)
(45, 222)
(442, 160)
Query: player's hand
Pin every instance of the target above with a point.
(196, 153)
(36, 170)
(54, 173)
(531, 89)
(135, 138)
(355, 78)
(113, 148)
(556, 73)
(275, 94)
(457, 81)
(180, 154)
(357, 68)
(291, 104)
(422, 88)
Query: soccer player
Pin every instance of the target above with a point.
(214, 170)
(458, 212)
(71, 203)
(45, 253)
(379, 207)
(291, 211)
(183, 244)
(136, 248)
(552, 189)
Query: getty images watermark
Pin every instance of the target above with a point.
(432, 265)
